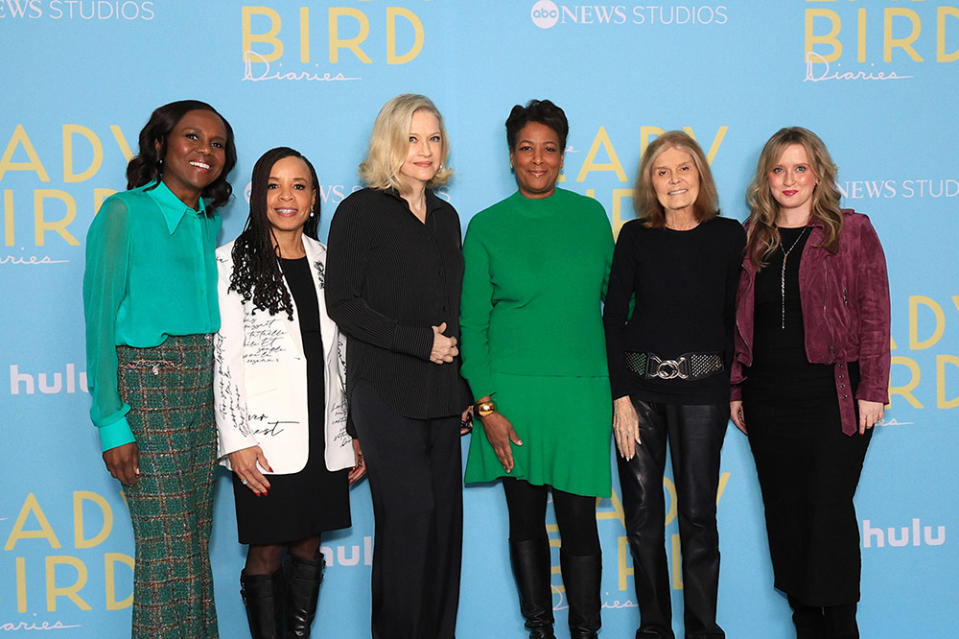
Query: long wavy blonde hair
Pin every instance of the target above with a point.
(647, 205)
(390, 143)
(762, 236)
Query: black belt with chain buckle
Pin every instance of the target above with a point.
(688, 366)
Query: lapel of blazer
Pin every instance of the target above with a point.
(316, 256)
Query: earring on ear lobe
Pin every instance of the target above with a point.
(312, 213)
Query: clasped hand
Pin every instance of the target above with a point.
(444, 348)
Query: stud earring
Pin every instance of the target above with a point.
(312, 213)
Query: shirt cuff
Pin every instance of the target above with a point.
(413, 340)
(116, 434)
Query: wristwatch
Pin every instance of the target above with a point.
(485, 408)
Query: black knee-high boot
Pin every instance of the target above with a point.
(303, 579)
(581, 577)
(809, 620)
(841, 622)
(531, 569)
(263, 597)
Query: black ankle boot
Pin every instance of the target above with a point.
(263, 596)
(303, 579)
(582, 578)
(809, 620)
(531, 569)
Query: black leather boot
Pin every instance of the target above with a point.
(263, 596)
(303, 579)
(582, 578)
(531, 569)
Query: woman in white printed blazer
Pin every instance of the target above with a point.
(281, 410)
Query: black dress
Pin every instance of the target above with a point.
(306, 503)
(808, 468)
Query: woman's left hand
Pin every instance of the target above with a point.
(869, 414)
(359, 468)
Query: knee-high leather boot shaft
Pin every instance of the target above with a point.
(263, 598)
(303, 579)
(531, 570)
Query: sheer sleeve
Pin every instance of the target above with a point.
(104, 287)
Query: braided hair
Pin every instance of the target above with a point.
(256, 267)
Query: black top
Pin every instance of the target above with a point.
(780, 364)
(389, 279)
(684, 283)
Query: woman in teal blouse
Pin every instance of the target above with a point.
(150, 303)
(534, 351)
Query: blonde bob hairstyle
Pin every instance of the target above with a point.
(648, 208)
(762, 235)
(390, 143)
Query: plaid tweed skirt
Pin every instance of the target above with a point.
(170, 390)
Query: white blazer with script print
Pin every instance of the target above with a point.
(259, 383)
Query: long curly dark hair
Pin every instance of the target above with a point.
(146, 166)
(256, 267)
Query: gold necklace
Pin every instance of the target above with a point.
(782, 276)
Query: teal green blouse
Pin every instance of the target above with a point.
(150, 272)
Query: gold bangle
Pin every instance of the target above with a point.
(486, 408)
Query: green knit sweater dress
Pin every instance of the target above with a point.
(532, 338)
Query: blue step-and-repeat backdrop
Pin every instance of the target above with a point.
(878, 80)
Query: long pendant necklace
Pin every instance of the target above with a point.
(782, 276)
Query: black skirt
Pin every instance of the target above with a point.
(306, 503)
(808, 471)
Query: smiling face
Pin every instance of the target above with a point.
(675, 179)
(792, 182)
(195, 154)
(290, 195)
(425, 150)
(537, 160)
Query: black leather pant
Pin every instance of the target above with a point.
(695, 434)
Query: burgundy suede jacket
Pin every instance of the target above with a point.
(845, 309)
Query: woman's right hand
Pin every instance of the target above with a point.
(244, 463)
(123, 462)
(444, 348)
(499, 431)
(736, 414)
(625, 427)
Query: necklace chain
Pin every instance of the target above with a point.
(782, 277)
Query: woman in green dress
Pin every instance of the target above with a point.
(533, 349)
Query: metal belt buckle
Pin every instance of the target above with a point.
(669, 368)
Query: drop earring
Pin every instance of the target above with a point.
(312, 213)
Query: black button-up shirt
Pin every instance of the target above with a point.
(389, 279)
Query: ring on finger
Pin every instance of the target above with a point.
(243, 481)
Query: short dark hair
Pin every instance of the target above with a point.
(542, 111)
(145, 168)
(256, 273)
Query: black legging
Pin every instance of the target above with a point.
(575, 514)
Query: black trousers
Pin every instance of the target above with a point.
(695, 434)
(415, 474)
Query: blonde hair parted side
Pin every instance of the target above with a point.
(762, 235)
(389, 144)
(645, 202)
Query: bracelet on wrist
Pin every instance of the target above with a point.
(486, 408)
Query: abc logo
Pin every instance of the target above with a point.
(545, 14)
